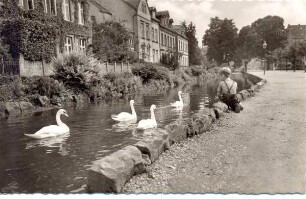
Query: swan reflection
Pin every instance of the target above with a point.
(52, 142)
(123, 126)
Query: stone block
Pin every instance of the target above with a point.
(110, 173)
(43, 101)
(177, 131)
(200, 123)
(154, 143)
(26, 107)
(210, 112)
(12, 108)
(245, 94)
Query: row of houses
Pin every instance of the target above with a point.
(153, 34)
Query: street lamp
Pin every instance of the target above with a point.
(264, 46)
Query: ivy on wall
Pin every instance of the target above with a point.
(34, 33)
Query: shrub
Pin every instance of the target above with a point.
(149, 72)
(181, 74)
(43, 86)
(77, 71)
(197, 71)
(10, 88)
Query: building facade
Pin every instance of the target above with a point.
(69, 18)
(155, 45)
(297, 34)
(167, 35)
(182, 45)
(98, 13)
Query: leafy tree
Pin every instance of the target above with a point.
(221, 39)
(194, 52)
(296, 53)
(110, 42)
(270, 29)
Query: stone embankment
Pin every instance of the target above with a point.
(110, 173)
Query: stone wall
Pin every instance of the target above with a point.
(34, 68)
(110, 173)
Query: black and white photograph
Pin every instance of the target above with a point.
(129, 97)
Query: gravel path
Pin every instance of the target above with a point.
(260, 150)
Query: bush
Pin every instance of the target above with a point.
(149, 72)
(77, 71)
(43, 86)
(181, 74)
(197, 71)
(10, 88)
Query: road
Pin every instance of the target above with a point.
(259, 150)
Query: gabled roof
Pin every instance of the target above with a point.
(133, 3)
(99, 6)
(297, 30)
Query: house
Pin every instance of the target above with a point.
(167, 34)
(297, 34)
(98, 13)
(155, 45)
(65, 24)
(182, 45)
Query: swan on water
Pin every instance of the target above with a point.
(126, 117)
(148, 123)
(178, 104)
(52, 130)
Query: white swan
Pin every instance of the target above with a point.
(126, 117)
(148, 123)
(178, 104)
(52, 130)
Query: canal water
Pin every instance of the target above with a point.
(60, 164)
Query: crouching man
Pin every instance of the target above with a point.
(227, 90)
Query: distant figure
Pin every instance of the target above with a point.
(227, 90)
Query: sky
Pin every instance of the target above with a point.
(243, 12)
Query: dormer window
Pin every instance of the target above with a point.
(144, 8)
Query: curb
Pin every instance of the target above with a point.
(110, 173)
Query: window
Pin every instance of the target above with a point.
(20, 3)
(68, 45)
(67, 10)
(152, 34)
(165, 40)
(50, 6)
(162, 38)
(156, 35)
(153, 55)
(81, 13)
(144, 8)
(30, 4)
(147, 31)
(82, 45)
(142, 29)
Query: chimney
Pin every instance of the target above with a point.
(170, 22)
(153, 12)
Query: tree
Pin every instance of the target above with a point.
(194, 52)
(296, 53)
(269, 29)
(110, 42)
(221, 39)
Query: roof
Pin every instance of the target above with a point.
(162, 13)
(99, 6)
(133, 3)
(297, 30)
